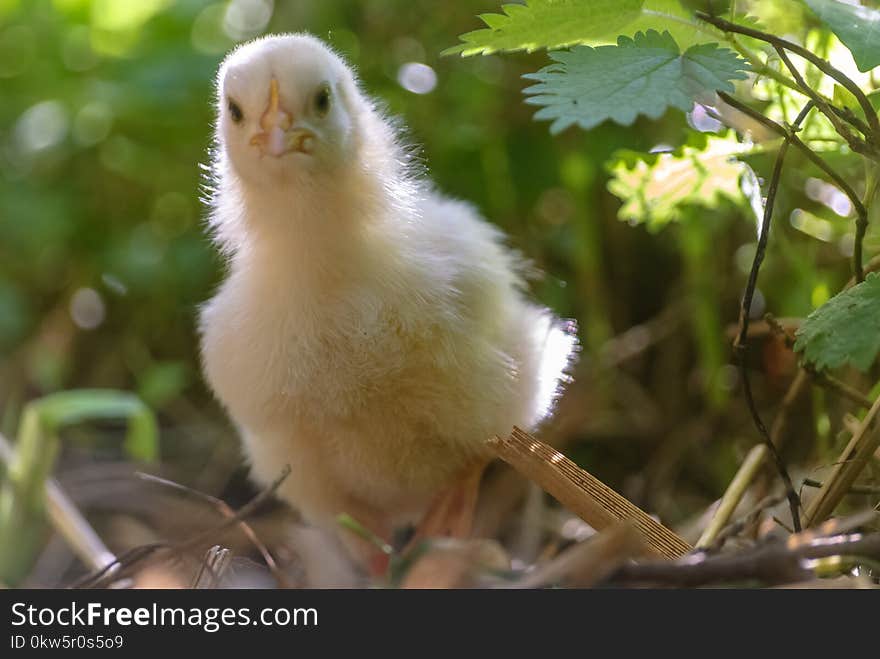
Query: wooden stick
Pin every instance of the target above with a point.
(581, 492)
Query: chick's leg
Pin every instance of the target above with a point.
(451, 513)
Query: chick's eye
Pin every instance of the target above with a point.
(322, 101)
(235, 111)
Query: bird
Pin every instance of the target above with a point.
(369, 332)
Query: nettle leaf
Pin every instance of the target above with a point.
(560, 23)
(655, 190)
(844, 330)
(644, 75)
(857, 27)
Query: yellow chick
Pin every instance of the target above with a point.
(371, 333)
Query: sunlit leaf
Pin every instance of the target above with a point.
(856, 26)
(559, 23)
(115, 15)
(844, 330)
(845, 98)
(116, 25)
(654, 191)
(645, 75)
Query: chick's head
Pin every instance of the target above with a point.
(286, 107)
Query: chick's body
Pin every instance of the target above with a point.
(370, 333)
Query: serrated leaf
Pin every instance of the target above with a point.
(655, 190)
(857, 27)
(844, 330)
(559, 23)
(644, 75)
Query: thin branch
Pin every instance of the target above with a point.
(748, 470)
(775, 562)
(737, 526)
(821, 378)
(138, 554)
(744, 316)
(227, 512)
(869, 490)
(760, 68)
(842, 389)
(242, 513)
(821, 64)
(826, 108)
(113, 572)
(861, 211)
(778, 328)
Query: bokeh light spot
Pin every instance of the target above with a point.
(87, 308)
(41, 127)
(417, 78)
(247, 18)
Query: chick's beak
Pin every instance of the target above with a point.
(279, 135)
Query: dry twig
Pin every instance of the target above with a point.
(224, 509)
(138, 555)
(772, 562)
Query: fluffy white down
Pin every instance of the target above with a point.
(371, 333)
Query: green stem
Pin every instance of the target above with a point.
(759, 67)
(872, 182)
(734, 495)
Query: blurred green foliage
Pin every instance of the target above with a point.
(106, 115)
(107, 112)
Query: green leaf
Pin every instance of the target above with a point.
(645, 75)
(844, 330)
(70, 407)
(559, 23)
(655, 191)
(547, 24)
(845, 98)
(857, 27)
